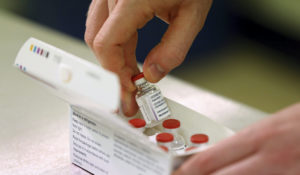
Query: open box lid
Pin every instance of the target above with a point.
(80, 83)
(75, 80)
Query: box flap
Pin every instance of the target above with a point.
(75, 80)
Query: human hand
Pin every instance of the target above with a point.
(268, 147)
(111, 32)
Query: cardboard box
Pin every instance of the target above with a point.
(101, 141)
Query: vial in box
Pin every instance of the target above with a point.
(165, 140)
(138, 123)
(198, 141)
(172, 126)
(151, 102)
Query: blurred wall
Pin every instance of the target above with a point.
(248, 50)
(69, 17)
(225, 20)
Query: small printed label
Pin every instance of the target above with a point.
(159, 106)
(147, 114)
(153, 107)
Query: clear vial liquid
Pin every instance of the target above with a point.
(151, 102)
(179, 142)
(172, 126)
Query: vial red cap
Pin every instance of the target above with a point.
(199, 138)
(137, 123)
(171, 124)
(137, 77)
(164, 137)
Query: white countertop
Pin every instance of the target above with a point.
(34, 124)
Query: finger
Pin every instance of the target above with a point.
(92, 5)
(125, 75)
(111, 5)
(129, 54)
(249, 166)
(177, 40)
(123, 23)
(116, 32)
(224, 153)
(129, 105)
(97, 14)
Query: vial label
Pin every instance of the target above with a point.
(145, 110)
(159, 106)
(153, 107)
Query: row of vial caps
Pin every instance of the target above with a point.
(169, 139)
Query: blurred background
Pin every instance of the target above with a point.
(248, 50)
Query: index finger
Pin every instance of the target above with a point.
(116, 32)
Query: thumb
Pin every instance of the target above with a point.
(161, 60)
(176, 42)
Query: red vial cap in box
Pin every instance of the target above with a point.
(164, 137)
(199, 138)
(137, 77)
(171, 124)
(137, 122)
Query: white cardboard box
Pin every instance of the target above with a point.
(101, 141)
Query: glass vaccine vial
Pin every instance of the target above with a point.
(164, 140)
(198, 141)
(171, 126)
(138, 123)
(151, 102)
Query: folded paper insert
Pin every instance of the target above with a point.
(102, 142)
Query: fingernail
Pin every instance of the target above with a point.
(156, 72)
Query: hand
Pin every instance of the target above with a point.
(111, 32)
(269, 147)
